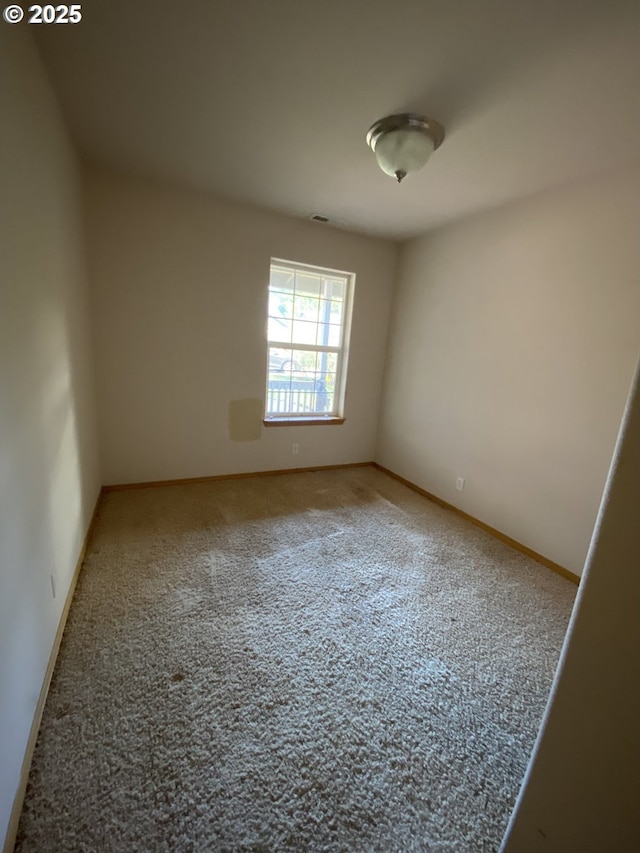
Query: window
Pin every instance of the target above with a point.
(308, 334)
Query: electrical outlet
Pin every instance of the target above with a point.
(460, 484)
(295, 449)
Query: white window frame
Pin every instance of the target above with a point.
(336, 414)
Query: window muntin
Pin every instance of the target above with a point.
(307, 329)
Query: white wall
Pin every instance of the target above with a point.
(179, 285)
(49, 478)
(583, 786)
(513, 342)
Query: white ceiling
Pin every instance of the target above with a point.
(269, 101)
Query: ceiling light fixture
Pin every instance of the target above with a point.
(404, 142)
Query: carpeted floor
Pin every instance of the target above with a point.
(312, 662)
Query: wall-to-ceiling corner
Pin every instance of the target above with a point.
(49, 469)
(513, 342)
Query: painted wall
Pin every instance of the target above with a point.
(513, 342)
(49, 477)
(583, 786)
(179, 285)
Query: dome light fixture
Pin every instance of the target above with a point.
(404, 142)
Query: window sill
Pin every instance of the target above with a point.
(329, 421)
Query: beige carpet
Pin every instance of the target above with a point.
(311, 662)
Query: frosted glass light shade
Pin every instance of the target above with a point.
(402, 151)
(403, 142)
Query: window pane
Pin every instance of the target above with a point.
(304, 332)
(306, 360)
(336, 311)
(278, 393)
(324, 397)
(279, 329)
(322, 337)
(325, 311)
(280, 304)
(327, 362)
(306, 308)
(308, 284)
(281, 279)
(301, 393)
(328, 335)
(336, 289)
(282, 360)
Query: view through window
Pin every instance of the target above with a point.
(308, 323)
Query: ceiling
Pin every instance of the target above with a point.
(269, 101)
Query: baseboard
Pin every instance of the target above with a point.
(492, 530)
(18, 800)
(152, 484)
